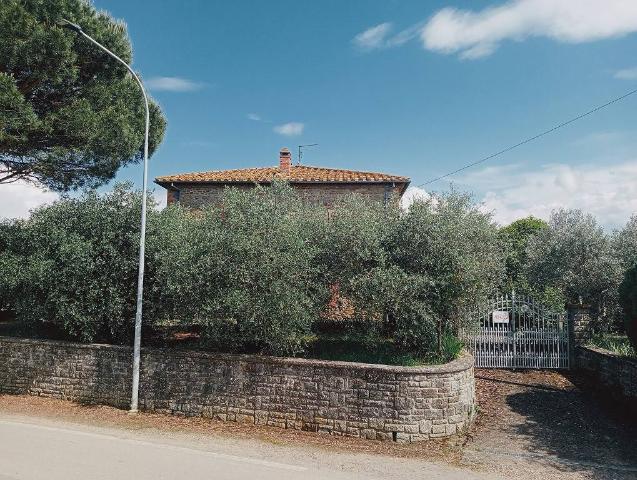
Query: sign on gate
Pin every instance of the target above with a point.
(516, 332)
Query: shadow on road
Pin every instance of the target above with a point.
(550, 416)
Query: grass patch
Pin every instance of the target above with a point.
(617, 344)
(347, 342)
(359, 348)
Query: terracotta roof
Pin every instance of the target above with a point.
(297, 174)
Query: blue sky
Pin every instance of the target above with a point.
(407, 87)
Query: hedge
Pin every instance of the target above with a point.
(256, 273)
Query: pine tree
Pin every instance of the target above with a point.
(70, 115)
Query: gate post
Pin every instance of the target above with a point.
(579, 327)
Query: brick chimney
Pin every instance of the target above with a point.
(285, 160)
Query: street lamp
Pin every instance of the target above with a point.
(142, 241)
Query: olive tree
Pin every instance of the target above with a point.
(255, 272)
(73, 265)
(628, 301)
(574, 256)
(450, 249)
(10, 261)
(246, 271)
(438, 259)
(515, 238)
(625, 244)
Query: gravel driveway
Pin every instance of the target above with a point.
(538, 423)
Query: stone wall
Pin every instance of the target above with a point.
(197, 195)
(328, 194)
(341, 398)
(616, 376)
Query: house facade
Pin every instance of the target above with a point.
(317, 185)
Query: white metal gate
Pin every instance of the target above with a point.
(516, 332)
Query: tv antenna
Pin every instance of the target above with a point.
(301, 147)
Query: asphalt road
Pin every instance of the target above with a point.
(31, 448)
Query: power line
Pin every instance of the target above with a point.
(530, 139)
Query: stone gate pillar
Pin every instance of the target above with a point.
(579, 321)
(579, 328)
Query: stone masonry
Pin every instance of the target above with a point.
(201, 195)
(615, 375)
(372, 401)
(579, 319)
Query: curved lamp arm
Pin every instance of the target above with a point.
(76, 28)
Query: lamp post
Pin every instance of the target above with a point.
(142, 241)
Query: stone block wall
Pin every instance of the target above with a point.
(341, 398)
(94, 374)
(328, 194)
(200, 195)
(616, 376)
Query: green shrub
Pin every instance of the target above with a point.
(618, 344)
(628, 300)
(452, 249)
(247, 273)
(256, 273)
(515, 238)
(574, 259)
(257, 276)
(351, 239)
(451, 347)
(624, 243)
(73, 265)
(396, 304)
(413, 274)
(10, 240)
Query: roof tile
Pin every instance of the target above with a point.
(297, 174)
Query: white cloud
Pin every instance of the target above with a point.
(17, 199)
(607, 191)
(374, 37)
(172, 84)
(254, 116)
(406, 35)
(626, 74)
(378, 37)
(290, 129)
(478, 34)
(411, 195)
(159, 195)
(603, 139)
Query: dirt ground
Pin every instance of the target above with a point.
(531, 424)
(534, 423)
